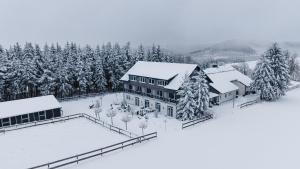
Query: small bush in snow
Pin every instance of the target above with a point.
(126, 118)
(111, 113)
(143, 125)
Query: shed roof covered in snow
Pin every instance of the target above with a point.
(29, 105)
(223, 76)
(163, 71)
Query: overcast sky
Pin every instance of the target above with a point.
(174, 24)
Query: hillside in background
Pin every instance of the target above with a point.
(237, 50)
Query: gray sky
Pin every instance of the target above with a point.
(174, 24)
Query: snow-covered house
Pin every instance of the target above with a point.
(29, 110)
(226, 83)
(154, 85)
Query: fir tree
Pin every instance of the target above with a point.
(279, 64)
(264, 81)
(201, 92)
(186, 104)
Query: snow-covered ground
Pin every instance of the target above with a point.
(33, 146)
(262, 136)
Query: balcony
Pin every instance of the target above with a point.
(151, 96)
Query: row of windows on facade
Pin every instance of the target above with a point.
(148, 80)
(149, 91)
(31, 117)
(157, 105)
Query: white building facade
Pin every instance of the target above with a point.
(227, 83)
(153, 85)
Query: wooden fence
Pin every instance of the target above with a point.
(69, 117)
(109, 126)
(196, 121)
(248, 103)
(94, 153)
(38, 123)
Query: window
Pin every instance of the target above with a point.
(160, 82)
(19, 119)
(137, 101)
(128, 97)
(56, 113)
(143, 79)
(130, 87)
(225, 95)
(5, 122)
(171, 95)
(42, 115)
(139, 88)
(134, 78)
(31, 117)
(36, 116)
(13, 121)
(159, 93)
(151, 81)
(146, 103)
(49, 114)
(25, 118)
(157, 107)
(149, 91)
(170, 111)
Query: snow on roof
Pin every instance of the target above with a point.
(163, 71)
(223, 76)
(29, 105)
(212, 95)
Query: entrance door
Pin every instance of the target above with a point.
(170, 111)
(137, 101)
(157, 107)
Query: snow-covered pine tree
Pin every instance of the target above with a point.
(3, 71)
(201, 92)
(243, 68)
(98, 76)
(186, 104)
(279, 64)
(294, 67)
(264, 81)
(140, 54)
(45, 75)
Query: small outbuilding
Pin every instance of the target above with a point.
(29, 110)
(227, 83)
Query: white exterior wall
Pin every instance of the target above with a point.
(223, 97)
(131, 100)
(242, 87)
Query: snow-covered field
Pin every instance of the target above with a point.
(262, 136)
(33, 146)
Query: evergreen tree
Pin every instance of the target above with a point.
(98, 76)
(201, 92)
(186, 104)
(279, 64)
(294, 67)
(264, 81)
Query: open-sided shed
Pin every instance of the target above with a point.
(29, 110)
